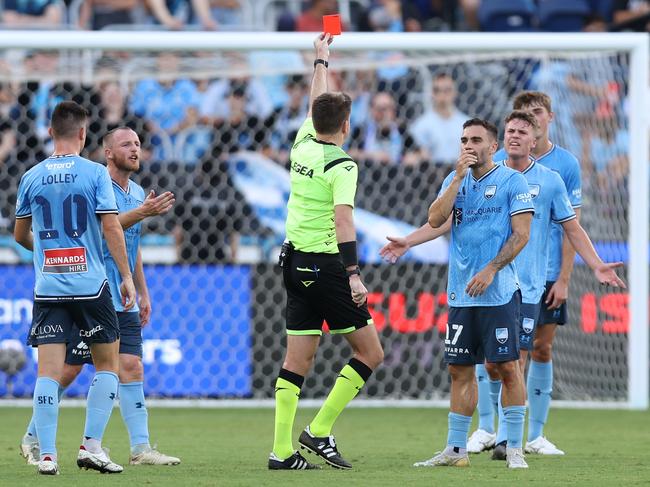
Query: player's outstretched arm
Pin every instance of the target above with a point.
(152, 206)
(23, 233)
(605, 273)
(319, 81)
(346, 237)
(398, 246)
(144, 302)
(520, 224)
(559, 292)
(114, 236)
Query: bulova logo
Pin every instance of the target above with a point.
(47, 330)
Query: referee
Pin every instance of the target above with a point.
(321, 274)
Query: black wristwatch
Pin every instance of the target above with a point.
(355, 271)
(321, 61)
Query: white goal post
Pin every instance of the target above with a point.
(636, 46)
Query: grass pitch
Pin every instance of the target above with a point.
(230, 448)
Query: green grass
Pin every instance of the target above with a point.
(230, 448)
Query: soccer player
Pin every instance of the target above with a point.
(552, 206)
(491, 210)
(122, 152)
(321, 274)
(66, 201)
(558, 273)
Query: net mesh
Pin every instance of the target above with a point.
(217, 128)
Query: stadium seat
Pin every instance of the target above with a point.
(506, 15)
(563, 16)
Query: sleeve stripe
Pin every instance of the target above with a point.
(525, 210)
(107, 211)
(336, 162)
(572, 217)
(577, 206)
(18, 217)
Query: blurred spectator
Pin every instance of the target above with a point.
(382, 139)
(288, 119)
(170, 105)
(433, 15)
(111, 112)
(470, 13)
(437, 132)
(209, 216)
(257, 101)
(221, 12)
(97, 14)
(312, 19)
(175, 14)
(32, 12)
(632, 15)
(7, 130)
(605, 153)
(241, 130)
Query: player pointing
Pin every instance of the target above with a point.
(66, 201)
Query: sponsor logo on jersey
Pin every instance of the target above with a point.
(524, 197)
(65, 261)
(534, 190)
(501, 335)
(502, 350)
(490, 191)
(59, 165)
(458, 216)
(303, 170)
(528, 324)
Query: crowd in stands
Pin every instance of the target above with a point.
(405, 123)
(305, 15)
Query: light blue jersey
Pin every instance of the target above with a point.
(64, 196)
(552, 205)
(567, 166)
(480, 228)
(126, 201)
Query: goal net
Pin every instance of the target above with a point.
(217, 114)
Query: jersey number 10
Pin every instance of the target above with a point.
(74, 200)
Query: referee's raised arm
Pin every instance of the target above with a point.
(319, 81)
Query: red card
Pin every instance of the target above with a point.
(332, 24)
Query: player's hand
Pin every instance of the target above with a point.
(480, 282)
(558, 294)
(359, 291)
(394, 249)
(466, 160)
(127, 290)
(321, 44)
(144, 303)
(158, 205)
(606, 274)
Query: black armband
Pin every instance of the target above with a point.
(348, 251)
(321, 61)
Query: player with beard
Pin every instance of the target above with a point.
(122, 152)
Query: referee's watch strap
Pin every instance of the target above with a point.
(321, 61)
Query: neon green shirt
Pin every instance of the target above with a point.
(322, 176)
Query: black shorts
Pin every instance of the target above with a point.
(556, 316)
(78, 352)
(318, 289)
(92, 320)
(483, 333)
(527, 325)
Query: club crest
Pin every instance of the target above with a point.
(501, 335)
(528, 324)
(490, 191)
(534, 190)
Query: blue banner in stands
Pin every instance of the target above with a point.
(198, 343)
